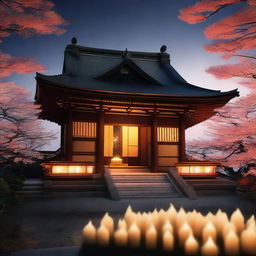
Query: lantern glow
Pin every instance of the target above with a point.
(196, 168)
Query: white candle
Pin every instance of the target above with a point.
(167, 227)
(168, 241)
(181, 218)
(121, 224)
(121, 237)
(248, 241)
(108, 222)
(151, 238)
(210, 248)
(209, 231)
(103, 235)
(184, 232)
(134, 235)
(227, 228)
(171, 213)
(162, 216)
(221, 221)
(145, 222)
(89, 232)
(129, 216)
(231, 243)
(191, 245)
(251, 221)
(237, 219)
(199, 224)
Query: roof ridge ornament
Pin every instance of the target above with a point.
(74, 40)
(164, 57)
(126, 54)
(163, 48)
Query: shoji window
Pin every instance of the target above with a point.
(108, 140)
(167, 134)
(84, 129)
(130, 139)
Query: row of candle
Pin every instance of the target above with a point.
(191, 231)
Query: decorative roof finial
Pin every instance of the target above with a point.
(74, 40)
(163, 48)
(126, 54)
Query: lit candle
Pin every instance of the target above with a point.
(237, 219)
(171, 213)
(121, 237)
(209, 231)
(151, 238)
(227, 228)
(231, 243)
(129, 216)
(251, 221)
(162, 217)
(167, 227)
(108, 222)
(210, 248)
(184, 232)
(103, 235)
(121, 224)
(145, 222)
(89, 232)
(191, 245)
(221, 221)
(248, 240)
(134, 235)
(199, 224)
(181, 218)
(168, 241)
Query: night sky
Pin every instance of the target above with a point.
(139, 25)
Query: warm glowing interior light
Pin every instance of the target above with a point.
(76, 169)
(192, 169)
(59, 169)
(90, 169)
(116, 160)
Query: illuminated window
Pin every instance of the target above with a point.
(167, 134)
(72, 169)
(196, 170)
(130, 141)
(84, 129)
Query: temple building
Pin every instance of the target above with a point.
(123, 108)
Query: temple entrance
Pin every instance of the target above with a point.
(124, 142)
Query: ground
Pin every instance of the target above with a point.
(46, 222)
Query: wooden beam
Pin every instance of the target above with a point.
(182, 142)
(69, 135)
(100, 143)
(154, 145)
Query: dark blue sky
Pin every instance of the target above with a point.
(141, 25)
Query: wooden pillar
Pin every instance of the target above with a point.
(154, 144)
(100, 143)
(69, 137)
(182, 142)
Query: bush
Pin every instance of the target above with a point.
(15, 182)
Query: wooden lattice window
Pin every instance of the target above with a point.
(167, 134)
(84, 129)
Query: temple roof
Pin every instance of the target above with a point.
(125, 72)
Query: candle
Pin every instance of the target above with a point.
(227, 228)
(191, 245)
(238, 220)
(251, 221)
(171, 213)
(210, 248)
(180, 218)
(89, 232)
(221, 221)
(103, 235)
(248, 240)
(108, 222)
(167, 227)
(151, 238)
(121, 237)
(199, 224)
(209, 231)
(162, 216)
(184, 232)
(129, 216)
(121, 224)
(231, 243)
(168, 241)
(134, 235)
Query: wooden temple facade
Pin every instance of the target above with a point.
(122, 108)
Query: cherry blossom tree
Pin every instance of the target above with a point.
(21, 132)
(232, 129)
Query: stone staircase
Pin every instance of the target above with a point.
(32, 187)
(139, 182)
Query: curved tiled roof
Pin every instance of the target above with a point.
(99, 69)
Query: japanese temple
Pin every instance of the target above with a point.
(122, 110)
